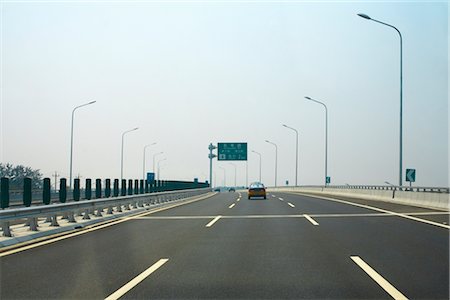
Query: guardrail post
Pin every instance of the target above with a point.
(54, 221)
(88, 190)
(116, 188)
(151, 186)
(98, 188)
(62, 190)
(158, 186)
(71, 217)
(6, 230)
(46, 192)
(124, 187)
(76, 189)
(33, 224)
(86, 214)
(108, 188)
(4, 194)
(136, 186)
(27, 191)
(141, 186)
(99, 212)
(130, 186)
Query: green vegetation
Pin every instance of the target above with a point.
(16, 174)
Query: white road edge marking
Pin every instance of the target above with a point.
(232, 205)
(213, 221)
(389, 288)
(290, 204)
(136, 280)
(379, 209)
(311, 220)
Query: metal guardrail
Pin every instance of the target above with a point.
(85, 208)
(378, 187)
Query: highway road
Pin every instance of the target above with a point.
(288, 246)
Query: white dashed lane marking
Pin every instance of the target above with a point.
(311, 220)
(136, 280)
(213, 221)
(389, 288)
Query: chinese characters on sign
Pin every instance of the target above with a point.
(232, 151)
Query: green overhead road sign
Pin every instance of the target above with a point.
(231, 151)
(411, 175)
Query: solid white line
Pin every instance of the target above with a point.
(213, 221)
(270, 216)
(311, 220)
(389, 288)
(232, 205)
(136, 280)
(381, 210)
(290, 204)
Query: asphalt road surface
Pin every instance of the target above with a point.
(288, 246)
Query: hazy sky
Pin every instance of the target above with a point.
(191, 73)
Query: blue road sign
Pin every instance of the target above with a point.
(150, 177)
(328, 179)
(411, 175)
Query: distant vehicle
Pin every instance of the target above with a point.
(217, 190)
(257, 189)
(232, 190)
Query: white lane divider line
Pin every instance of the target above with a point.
(213, 221)
(311, 220)
(389, 288)
(402, 215)
(290, 204)
(281, 199)
(274, 196)
(238, 199)
(135, 281)
(232, 205)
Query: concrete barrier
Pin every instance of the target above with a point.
(432, 200)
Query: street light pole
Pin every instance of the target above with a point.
(260, 160)
(159, 161)
(326, 135)
(143, 161)
(276, 159)
(235, 172)
(224, 176)
(121, 153)
(71, 139)
(246, 173)
(296, 152)
(153, 166)
(400, 180)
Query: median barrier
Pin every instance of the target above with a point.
(435, 198)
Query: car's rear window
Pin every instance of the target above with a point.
(257, 186)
